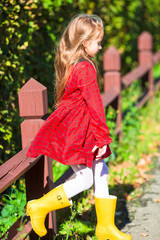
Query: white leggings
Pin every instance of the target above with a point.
(86, 177)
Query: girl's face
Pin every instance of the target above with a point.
(92, 47)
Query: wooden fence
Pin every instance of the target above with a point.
(33, 106)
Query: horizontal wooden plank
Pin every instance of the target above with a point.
(109, 96)
(138, 72)
(143, 100)
(15, 232)
(156, 57)
(14, 168)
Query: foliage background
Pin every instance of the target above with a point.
(29, 32)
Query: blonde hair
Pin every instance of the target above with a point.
(82, 28)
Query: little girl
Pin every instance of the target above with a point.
(76, 133)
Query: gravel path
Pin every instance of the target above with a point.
(144, 212)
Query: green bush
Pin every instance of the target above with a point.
(12, 206)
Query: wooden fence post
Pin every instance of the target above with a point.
(33, 105)
(145, 57)
(112, 80)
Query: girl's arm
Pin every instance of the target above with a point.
(87, 82)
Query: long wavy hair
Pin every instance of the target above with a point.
(83, 27)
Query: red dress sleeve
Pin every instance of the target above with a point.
(87, 83)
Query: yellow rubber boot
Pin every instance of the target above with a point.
(39, 208)
(106, 229)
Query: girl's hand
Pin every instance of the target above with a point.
(101, 151)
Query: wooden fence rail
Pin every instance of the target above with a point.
(33, 106)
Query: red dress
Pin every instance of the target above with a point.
(78, 124)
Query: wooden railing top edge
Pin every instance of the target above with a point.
(15, 167)
(136, 73)
(139, 71)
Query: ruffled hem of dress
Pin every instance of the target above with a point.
(83, 159)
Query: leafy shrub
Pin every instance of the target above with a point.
(12, 206)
